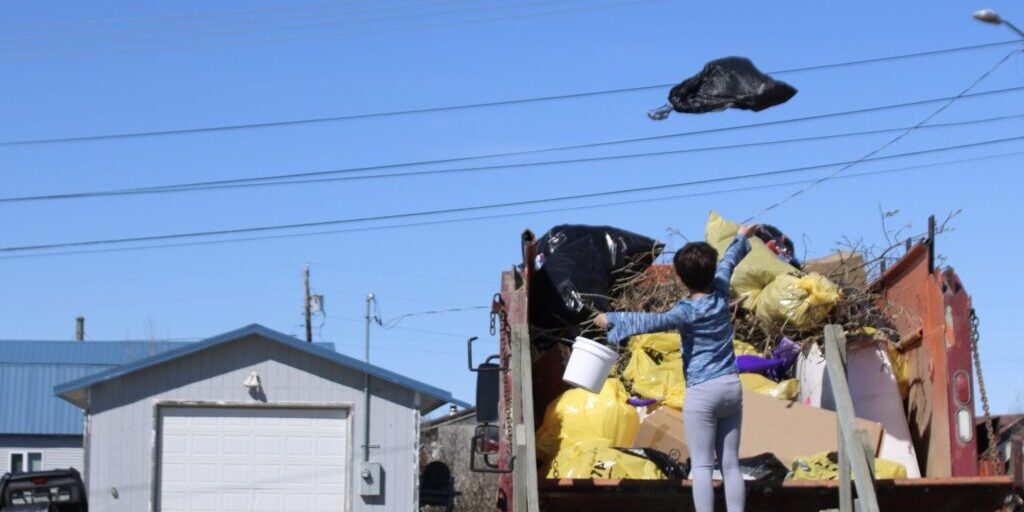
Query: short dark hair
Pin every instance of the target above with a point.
(695, 264)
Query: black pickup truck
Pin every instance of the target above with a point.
(57, 490)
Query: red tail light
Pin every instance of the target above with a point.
(40, 480)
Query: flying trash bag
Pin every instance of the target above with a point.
(730, 82)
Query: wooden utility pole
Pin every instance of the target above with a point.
(80, 328)
(309, 323)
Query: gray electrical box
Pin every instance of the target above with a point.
(371, 477)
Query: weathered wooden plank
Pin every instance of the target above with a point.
(851, 442)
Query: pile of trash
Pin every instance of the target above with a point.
(633, 427)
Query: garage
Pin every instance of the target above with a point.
(253, 420)
(253, 459)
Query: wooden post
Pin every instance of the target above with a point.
(309, 324)
(850, 441)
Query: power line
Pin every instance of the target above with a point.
(450, 108)
(892, 141)
(259, 181)
(15, 28)
(235, 28)
(390, 324)
(587, 7)
(464, 209)
(514, 214)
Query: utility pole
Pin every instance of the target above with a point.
(366, 385)
(80, 328)
(309, 323)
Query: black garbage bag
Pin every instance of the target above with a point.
(576, 268)
(730, 82)
(778, 242)
(673, 469)
(764, 467)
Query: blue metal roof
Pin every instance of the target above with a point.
(30, 369)
(71, 390)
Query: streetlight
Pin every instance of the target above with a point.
(991, 16)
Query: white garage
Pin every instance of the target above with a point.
(234, 459)
(251, 420)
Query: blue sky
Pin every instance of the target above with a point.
(73, 68)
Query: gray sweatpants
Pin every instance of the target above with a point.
(712, 414)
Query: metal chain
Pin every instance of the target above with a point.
(992, 451)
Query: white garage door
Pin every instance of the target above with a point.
(253, 459)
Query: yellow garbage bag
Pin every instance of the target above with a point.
(798, 302)
(743, 348)
(786, 390)
(662, 342)
(755, 381)
(900, 368)
(758, 269)
(579, 415)
(825, 466)
(589, 460)
(663, 380)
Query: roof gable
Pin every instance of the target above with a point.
(74, 391)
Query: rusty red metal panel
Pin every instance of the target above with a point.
(913, 298)
(957, 310)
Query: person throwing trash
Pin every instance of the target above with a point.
(713, 409)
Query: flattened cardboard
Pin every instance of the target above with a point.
(787, 429)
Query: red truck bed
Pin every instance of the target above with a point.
(932, 312)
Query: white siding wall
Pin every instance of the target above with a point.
(59, 452)
(121, 423)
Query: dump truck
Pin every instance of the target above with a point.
(932, 312)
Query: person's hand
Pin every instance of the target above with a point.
(748, 230)
(601, 320)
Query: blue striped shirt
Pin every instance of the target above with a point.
(704, 324)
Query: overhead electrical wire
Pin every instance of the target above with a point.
(585, 7)
(892, 141)
(465, 209)
(323, 20)
(512, 214)
(645, 200)
(450, 108)
(207, 186)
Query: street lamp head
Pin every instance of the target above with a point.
(988, 16)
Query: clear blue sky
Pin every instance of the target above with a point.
(74, 68)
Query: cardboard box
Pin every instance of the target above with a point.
(784, 428)
(843, 268)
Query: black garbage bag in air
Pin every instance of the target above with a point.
(576, 268)
(731, 82)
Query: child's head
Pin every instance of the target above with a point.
(695, 264)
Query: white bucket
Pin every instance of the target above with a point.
(589, 364)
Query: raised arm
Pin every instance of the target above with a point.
(623, 325)
(739, 248)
